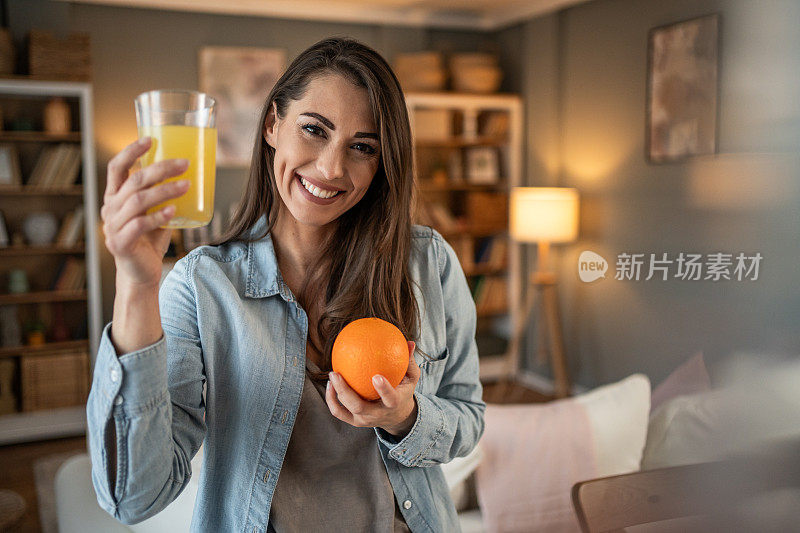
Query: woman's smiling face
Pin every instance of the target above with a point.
(327, 142)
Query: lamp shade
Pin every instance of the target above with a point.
(544, 214)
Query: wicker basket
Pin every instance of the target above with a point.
(54, 380)
(59, 59)
(422, 71)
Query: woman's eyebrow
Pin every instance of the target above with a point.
(329, 125)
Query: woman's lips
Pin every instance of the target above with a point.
(319, 184)
(315, 199)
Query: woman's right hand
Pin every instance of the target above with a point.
(132, 236)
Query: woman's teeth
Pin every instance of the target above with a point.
(316, 191)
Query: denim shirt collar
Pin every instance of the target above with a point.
(263, 275)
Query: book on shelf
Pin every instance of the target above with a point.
(71, 275)
(482, 250)
(56, 167)
(498, 257)
(42, 162)
(441, 216)
(492, 252)
(496, 124)
(71, 230)
(465, 252)
(68, 172)
(490, 293)
(477, 288)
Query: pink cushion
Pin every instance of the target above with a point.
(689, 378)
(535, 453)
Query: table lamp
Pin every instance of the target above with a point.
(545, 216)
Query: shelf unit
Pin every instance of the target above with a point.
(27, 96)
(452, 133)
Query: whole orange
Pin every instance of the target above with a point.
(366, 347)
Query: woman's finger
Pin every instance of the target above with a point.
(153, 174)
(389, 395)
(347, 396)
(139, 202)
(120, 164)
(335, 407)
(123, 240)
(413, 372)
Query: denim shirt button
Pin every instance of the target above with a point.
(284, 417)
(294, 361)
(118, 400)
(407, 504)
(114, 375)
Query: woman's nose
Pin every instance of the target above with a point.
(330, 163)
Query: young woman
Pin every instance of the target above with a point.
(322, 237)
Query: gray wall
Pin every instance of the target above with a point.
(583, 75)
(134, 50)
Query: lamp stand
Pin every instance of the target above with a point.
(543, 296)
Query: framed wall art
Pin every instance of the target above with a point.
(240, 78)
(482, 165)
(682, 89)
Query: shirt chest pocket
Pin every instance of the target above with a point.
(432, 370)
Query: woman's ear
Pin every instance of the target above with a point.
(271, 125)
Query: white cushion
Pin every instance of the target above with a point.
(456, 473)
(618, 414)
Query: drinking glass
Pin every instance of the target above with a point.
(182, 124)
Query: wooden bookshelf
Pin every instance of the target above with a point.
(471, 232)
(75, 190)
(8, 351)
(463, 142)
(19, 251)
(483, 270)
(38, 136)
(464, 179)
(461, 186)
(42, 297)
(79, 310)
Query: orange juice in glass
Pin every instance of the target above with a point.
(182, 125)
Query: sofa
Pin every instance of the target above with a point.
(521, 475)
(77, 509)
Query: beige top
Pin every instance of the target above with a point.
(333, 477)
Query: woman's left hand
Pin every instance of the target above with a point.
(395, 411)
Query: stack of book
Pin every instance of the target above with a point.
(71, 231)
(438, 216)
(57, 167)
(71, 275)
(490, 294)
(492, 252)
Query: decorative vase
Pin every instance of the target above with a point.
(40, 228)
(36, 333)
(57, 119)
(36, 338)
(17, 281)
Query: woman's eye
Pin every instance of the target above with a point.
(365, 148)
(312, 129)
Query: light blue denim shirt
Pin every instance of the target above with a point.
(232, 324)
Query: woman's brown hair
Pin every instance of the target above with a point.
(362, 271)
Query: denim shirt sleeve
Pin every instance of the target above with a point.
(449, 423)
(152, 399)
